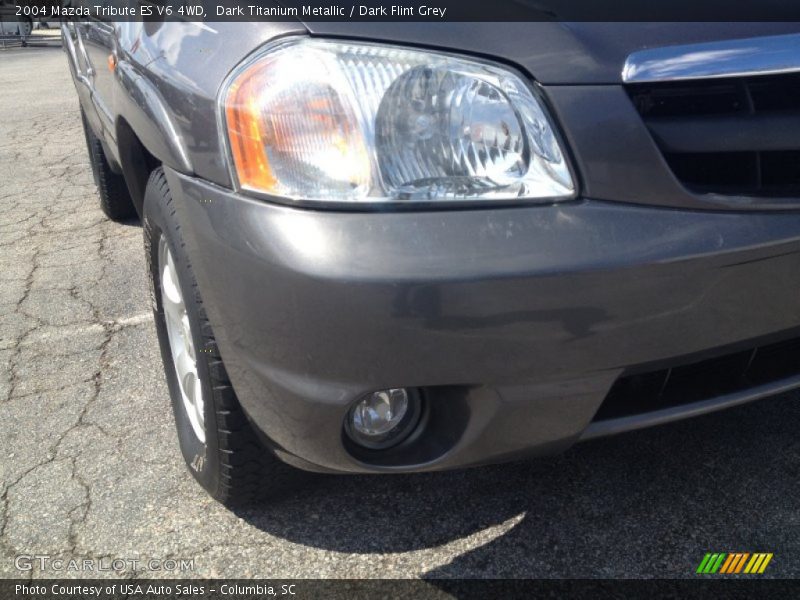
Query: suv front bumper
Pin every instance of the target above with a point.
(517, 320)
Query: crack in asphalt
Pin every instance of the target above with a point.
(13, 382)
(33, 225)
(88, 446)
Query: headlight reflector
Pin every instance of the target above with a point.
(350, 122)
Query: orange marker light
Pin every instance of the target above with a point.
(245, 132)
(293, 131)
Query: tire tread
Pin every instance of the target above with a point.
(115, 200)
(249, 471)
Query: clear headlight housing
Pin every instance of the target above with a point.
(330, 121)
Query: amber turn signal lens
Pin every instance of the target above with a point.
(246, 133)
(293, 132)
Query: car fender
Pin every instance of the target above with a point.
(146, 112)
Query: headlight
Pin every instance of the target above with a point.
(350, 122)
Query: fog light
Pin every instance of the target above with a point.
(383, 418)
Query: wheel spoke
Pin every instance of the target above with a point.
(185, 366)
(181, 342)
(186, 330)
(198, 401)
(189, 387)
(171, 293)
(172, 306)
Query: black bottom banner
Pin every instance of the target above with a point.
(239, 589)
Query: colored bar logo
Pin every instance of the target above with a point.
(733, 563)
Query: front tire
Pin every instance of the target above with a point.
(218, 443)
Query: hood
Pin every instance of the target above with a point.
(553, 52)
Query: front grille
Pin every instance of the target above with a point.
(701, 380)
(737, 136)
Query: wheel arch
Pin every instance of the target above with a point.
(146, 135)
(136, 162)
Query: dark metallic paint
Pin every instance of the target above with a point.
(518, 320)
(536, 311)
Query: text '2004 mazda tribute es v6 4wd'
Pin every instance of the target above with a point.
(392, 248)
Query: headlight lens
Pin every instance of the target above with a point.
(349, 122)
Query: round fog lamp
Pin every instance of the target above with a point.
(383, 418)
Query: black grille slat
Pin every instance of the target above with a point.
(701, 380)
(735, 136)
(722, 173)
(749, 133)
(706, 379)
(775, 362)
(670, 100)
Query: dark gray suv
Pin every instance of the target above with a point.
(395, 247)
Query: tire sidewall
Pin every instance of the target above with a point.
(160, 221)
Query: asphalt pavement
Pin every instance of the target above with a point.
(90, 467)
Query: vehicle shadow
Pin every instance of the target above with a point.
(647, 504)
(130, 222)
